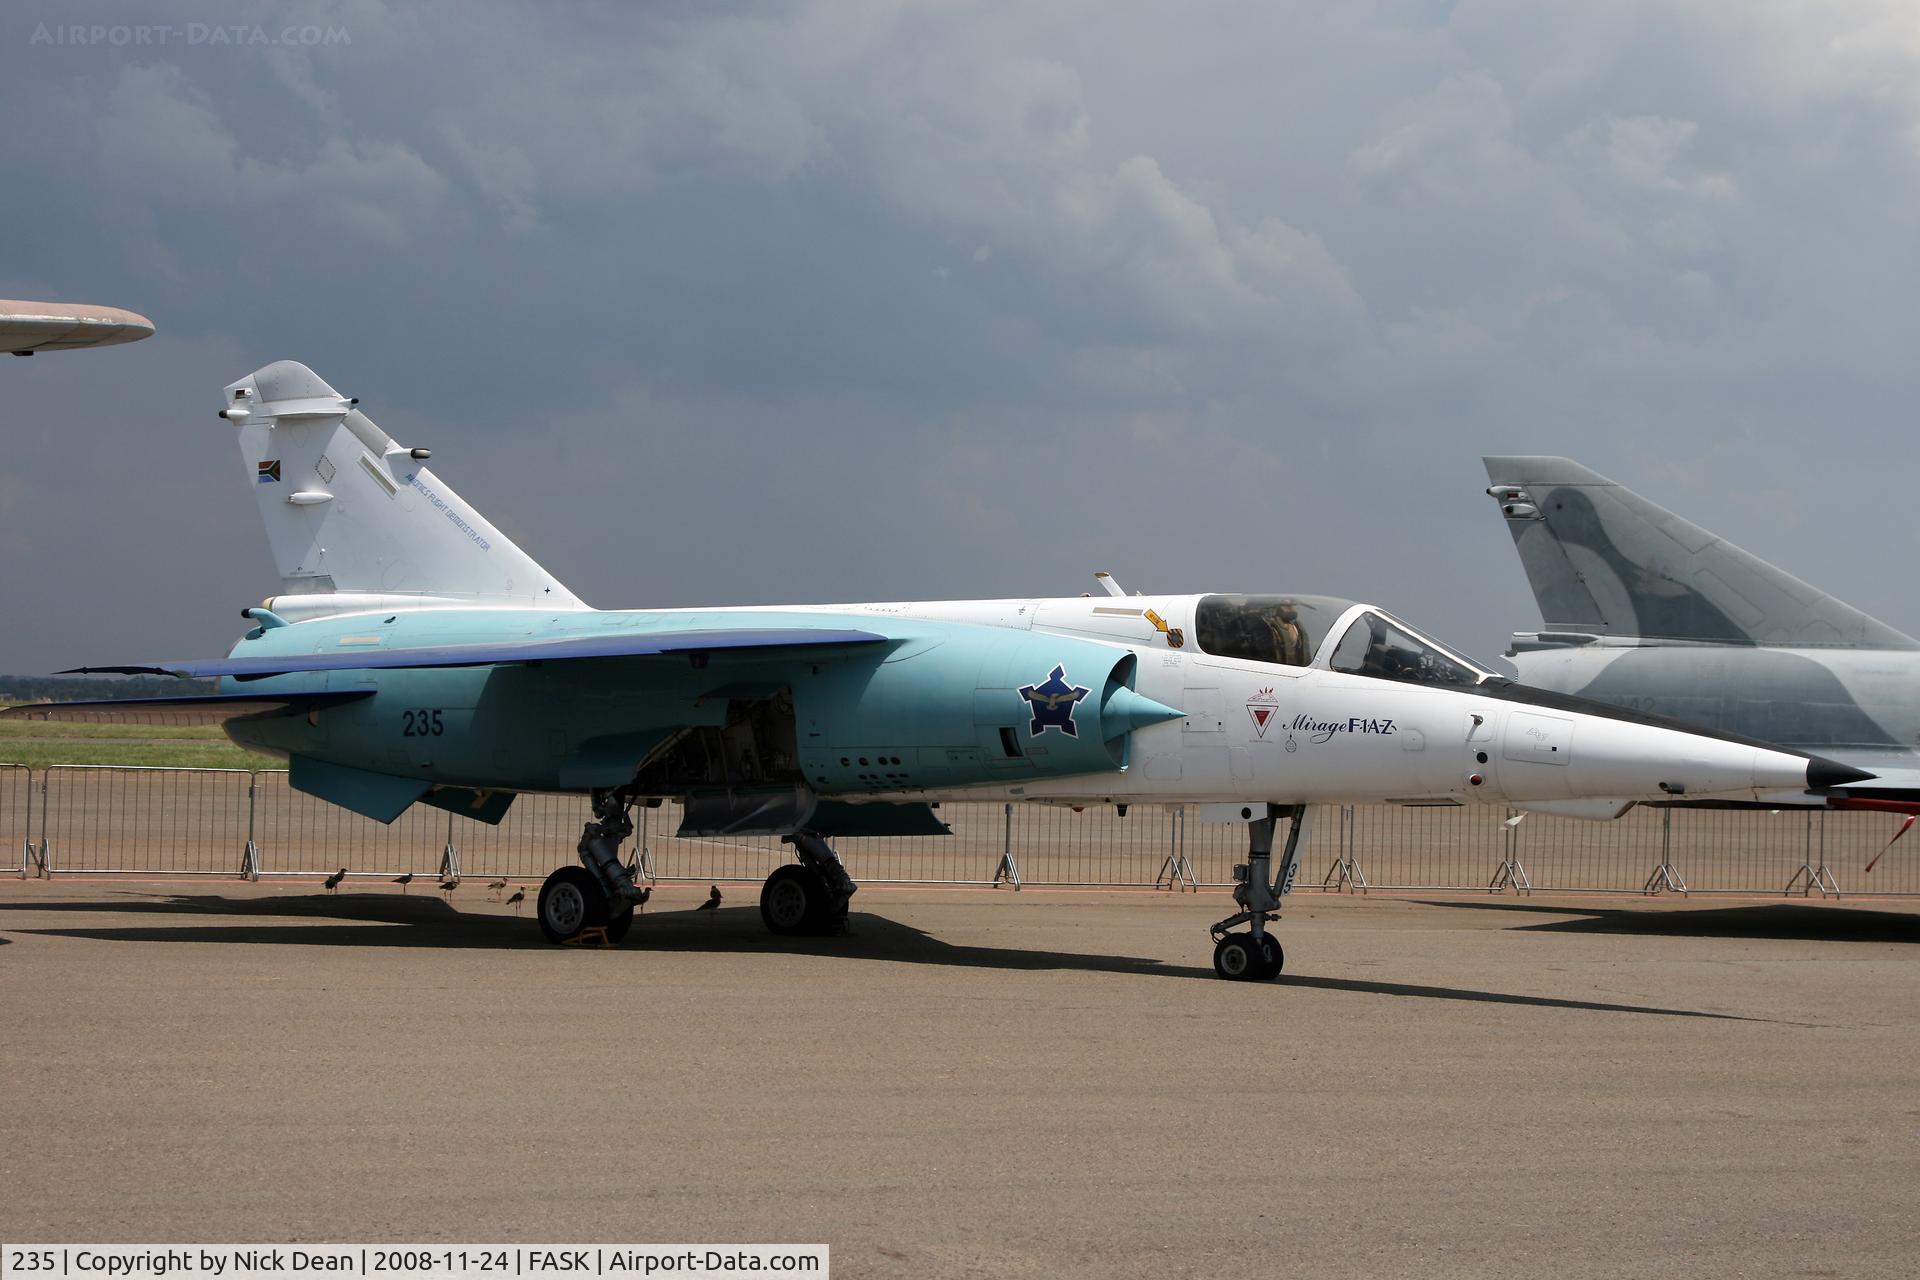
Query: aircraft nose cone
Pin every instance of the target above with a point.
(1823, 773)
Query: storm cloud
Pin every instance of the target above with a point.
(727, 304)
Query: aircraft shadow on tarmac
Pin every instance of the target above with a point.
(426, 920)
(1777, 921)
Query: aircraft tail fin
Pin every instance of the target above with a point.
(1602, 560)
(350, 512)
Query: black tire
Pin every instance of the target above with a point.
(570, 900)
(793, 901)
(619, 922)
(1272, 958)
(1235, 958)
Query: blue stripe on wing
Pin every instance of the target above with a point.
(626, 644)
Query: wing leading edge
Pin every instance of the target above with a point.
(213, 708)
(552, 649)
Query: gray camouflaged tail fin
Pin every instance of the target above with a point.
(1605, 561)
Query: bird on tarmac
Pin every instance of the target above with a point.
(713, 900)
(404, 881)
(519, 896)
(333, 881)
(641, 899)
(448, 885)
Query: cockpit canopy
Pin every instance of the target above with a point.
(1291, 630)
(1281, 629)
(1379, 646)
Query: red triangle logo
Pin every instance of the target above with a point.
(1261, 715)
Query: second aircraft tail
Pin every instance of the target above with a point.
(1602, 560)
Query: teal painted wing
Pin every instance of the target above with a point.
(628, 644)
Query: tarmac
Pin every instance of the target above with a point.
(975, 1083)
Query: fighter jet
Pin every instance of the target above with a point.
(1648, 612)
(415, 654)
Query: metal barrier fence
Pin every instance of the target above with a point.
(102, 820)
(16, 814)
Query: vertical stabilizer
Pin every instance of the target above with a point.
(1603, 560)
(348, 510)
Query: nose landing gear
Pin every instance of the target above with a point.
(1256, 955)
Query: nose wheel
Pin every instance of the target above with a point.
(1256, 955)
(1242, 957)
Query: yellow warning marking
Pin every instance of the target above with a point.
(594, 937)
(1159, 623)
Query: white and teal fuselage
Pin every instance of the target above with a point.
(937, 713)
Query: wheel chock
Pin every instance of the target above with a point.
(593, 937)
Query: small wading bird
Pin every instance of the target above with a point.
(448, 885)
(404, 881)
(333, 881)
(713, 900)
(519, 896)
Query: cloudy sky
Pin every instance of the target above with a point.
(711, 303)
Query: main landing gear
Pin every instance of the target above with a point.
(599, 894)
(1256, 954)
(808, 897)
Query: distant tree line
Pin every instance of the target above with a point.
(80, 688)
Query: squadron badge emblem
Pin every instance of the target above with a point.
(1262, 707)
(1052, 703)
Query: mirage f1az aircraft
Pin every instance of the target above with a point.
(415, 654)
(1646, 611)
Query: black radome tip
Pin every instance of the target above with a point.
(1823, 773)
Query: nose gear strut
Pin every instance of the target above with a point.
(1256, 954)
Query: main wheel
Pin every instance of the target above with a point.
(571, 900)
(619, 922)
(1235, 957)
(793, 901)
(1272, 958)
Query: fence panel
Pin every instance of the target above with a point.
(298, 834)
(971, 855)
(1428, 847)
(1213, 848)
(1739, 851)
(539, 833)
(100, 819)
(16, 814)
(1852, 839)
(674, 857)
(1054, 845)
(1577, 855)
